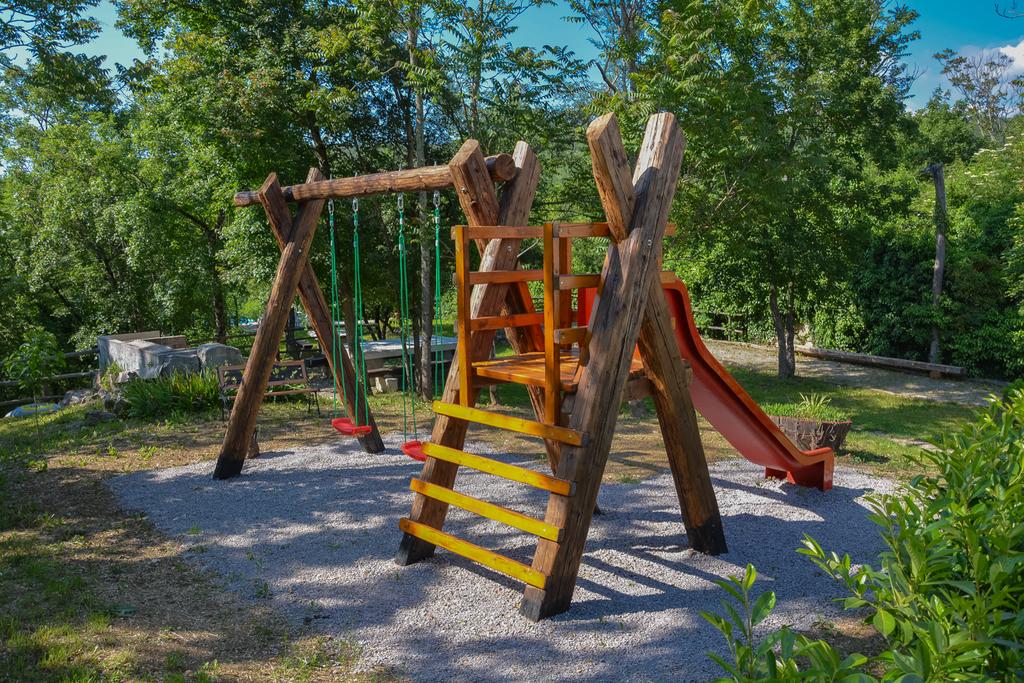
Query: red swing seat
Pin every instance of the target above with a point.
(349, 428)
(414, 449)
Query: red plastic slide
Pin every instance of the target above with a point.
(730, 410)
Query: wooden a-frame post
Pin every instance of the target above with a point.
(482, 207)
(294, 275)
(630, 284)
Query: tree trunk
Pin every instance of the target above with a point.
(427, 293)
(784, 334)
(938, 174)
(218, 299)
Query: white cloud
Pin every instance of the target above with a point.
(1015, 53)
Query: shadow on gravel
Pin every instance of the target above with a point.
(315, 531)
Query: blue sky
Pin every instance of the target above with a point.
(963, 25)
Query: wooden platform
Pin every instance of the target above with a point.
(529, 369)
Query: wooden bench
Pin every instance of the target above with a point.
(283, 376)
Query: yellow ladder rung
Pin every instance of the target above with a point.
(511, 472)
(537, 527)
(514, 424)
(500, 563)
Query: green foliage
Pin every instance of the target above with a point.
(947, 596)
(779, 655)
(811, 406)
(37, 358)
(172, 395)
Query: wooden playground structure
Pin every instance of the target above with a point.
(632, 335)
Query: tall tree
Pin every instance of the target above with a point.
(784, 104)
(988, 88)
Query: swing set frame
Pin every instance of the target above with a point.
(294, 233)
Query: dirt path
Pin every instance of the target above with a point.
(970, 392)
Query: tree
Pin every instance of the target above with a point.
(991, 95)
(785, 106)
(621, 35)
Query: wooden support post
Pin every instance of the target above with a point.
(290, 266)
(629, 272)
(662, 362)
(319, 313)
(476, 195)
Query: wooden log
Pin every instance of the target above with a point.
(881, 361)
(664, 366)
(500, 167)
(611, 173)
(487, 277)
(478, 202)
(630, 270)
(319, 313)
(242, 422)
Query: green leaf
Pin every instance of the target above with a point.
(883, 622)
(763, 606)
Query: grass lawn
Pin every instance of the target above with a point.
(91, 593)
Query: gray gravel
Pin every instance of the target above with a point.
(315, 530)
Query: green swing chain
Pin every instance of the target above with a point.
(406, 319)
(335, 315)
(438, 313)
(360, 359)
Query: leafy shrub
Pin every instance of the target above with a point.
(37, 358)
(176, 394)
(811, 407)
(948, 594)
(780, 655)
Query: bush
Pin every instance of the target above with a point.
(948, 594)
(177, 394)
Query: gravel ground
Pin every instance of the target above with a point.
(968, 392)
(314, 531)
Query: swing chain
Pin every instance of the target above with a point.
(437, 199)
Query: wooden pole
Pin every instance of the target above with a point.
(242, 422)
(662, 362)
(476, 195)
(938, 174)
(312, 298)
(500, 167)
(629, 272)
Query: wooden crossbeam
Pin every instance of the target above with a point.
(489, 277)
(488, 558)
(501, 167)
(537, 527)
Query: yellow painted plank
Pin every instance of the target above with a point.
(530, 525)
(488, 558)
(522, 475)
(514, 424)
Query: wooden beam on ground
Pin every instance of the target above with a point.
(242, 423)
(477, 197)
(663, 364)
(499, 168)
(630, 271)
(319, 313)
